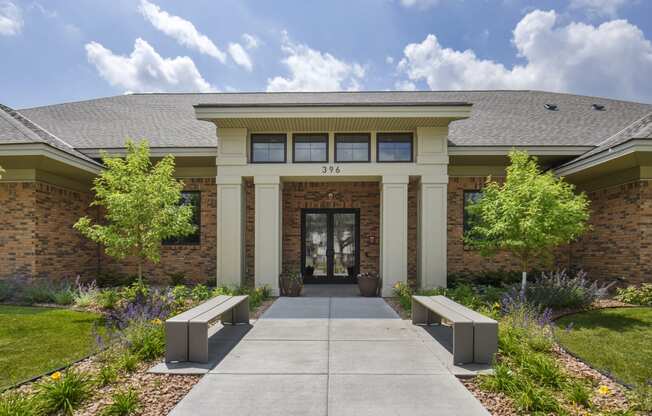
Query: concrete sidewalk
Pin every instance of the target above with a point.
(329, 356)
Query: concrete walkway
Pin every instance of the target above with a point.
(329, 356)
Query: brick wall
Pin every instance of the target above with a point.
(196, 261)
(619, 243)
(362, 195)
(17, 229)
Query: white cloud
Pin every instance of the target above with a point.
(144, 70)
(312, 70)
(250, 41)
(389, 60)
(11, 19)
(599, 7)
(182, 30)
(612, 59)
(405, 85)
(420, 4)
(240, 56)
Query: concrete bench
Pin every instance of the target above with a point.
(186, 334)
(475, 336)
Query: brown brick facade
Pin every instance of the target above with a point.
(36, 235)
(619, 243)
(362, 195)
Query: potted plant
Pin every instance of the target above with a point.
(291, 284)
(368, 284)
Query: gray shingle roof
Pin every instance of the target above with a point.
(17, 129)
(499, 118)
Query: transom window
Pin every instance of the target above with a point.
(268, 148)
(310, 147)
(352, 147)
(192, 198)
(394, 147)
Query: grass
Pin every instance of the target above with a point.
(37, 340)
(616, 341)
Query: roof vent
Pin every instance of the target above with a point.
(597, 107)
(551, 107)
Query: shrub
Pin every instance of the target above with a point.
(15, 403)
(113, 279)
(498, 278)
(200, 293)
(63, 296)
(107, 375)
(135, 292)
(177, 279)
(636, 295)
(531, 398)
(124, 403)
(36, 292)
(578, 393)
(85, 293)
(107, 299)
(128, 361)
(145, 339)
(404, 294)
(541, 369)
(7, 290)
(64, 392)
(559, 290)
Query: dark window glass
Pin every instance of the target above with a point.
(192, 198)
(470, 198)
(268, 148)
(310, 147)
(394, 147)
(352, 148)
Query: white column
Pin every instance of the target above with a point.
(267, 256)
(230, 230)
(433, 232)
(393, 232)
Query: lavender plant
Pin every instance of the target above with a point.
(558, 290)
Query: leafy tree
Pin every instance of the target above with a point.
(529, 215)
(141, 204)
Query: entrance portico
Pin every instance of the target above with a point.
(425, 124)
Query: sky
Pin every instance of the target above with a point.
(54, 51)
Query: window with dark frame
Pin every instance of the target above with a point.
(268, 148)
(469, 220)
(352, 147)
(394, 147)
(192, 198)
(310, 148)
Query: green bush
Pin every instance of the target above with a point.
(7, 290)
(541, 369)
(114, 279)
(124, 403)
(636, 295)
(107, 299)
(577, 393)
(63, 296)
(128, 361)
(497, 278)
(137, 290)
(558, 290)
(177, 279)
(15, 403)
(36, 292)
(64, 392)
(200, 293)
(145, 339)
(108, 374)
(86, 294)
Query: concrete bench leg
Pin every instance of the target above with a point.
(485, 342)
(198, 342)
(238, 314)
(420, 314)
(462, 343)
(176, 341)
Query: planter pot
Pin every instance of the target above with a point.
(291, 285)
(368, 285)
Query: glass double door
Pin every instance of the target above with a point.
(330, 245)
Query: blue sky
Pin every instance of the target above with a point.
(54, 51)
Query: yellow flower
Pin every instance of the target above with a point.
(496, 305)
(603, 390)
(157, 321)
(56, 375)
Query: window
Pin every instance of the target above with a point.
(394, 147)
(310, 148)
(470, 198)
(268, 148)
(352, 147)
(192, 198)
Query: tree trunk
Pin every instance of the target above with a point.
(140, 269)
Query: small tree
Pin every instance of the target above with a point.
(529, 215)
(141, 203)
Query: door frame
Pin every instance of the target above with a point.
(330, 278)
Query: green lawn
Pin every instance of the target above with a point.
(36, 340)
(618, 341)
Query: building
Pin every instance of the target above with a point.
(329, 183)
